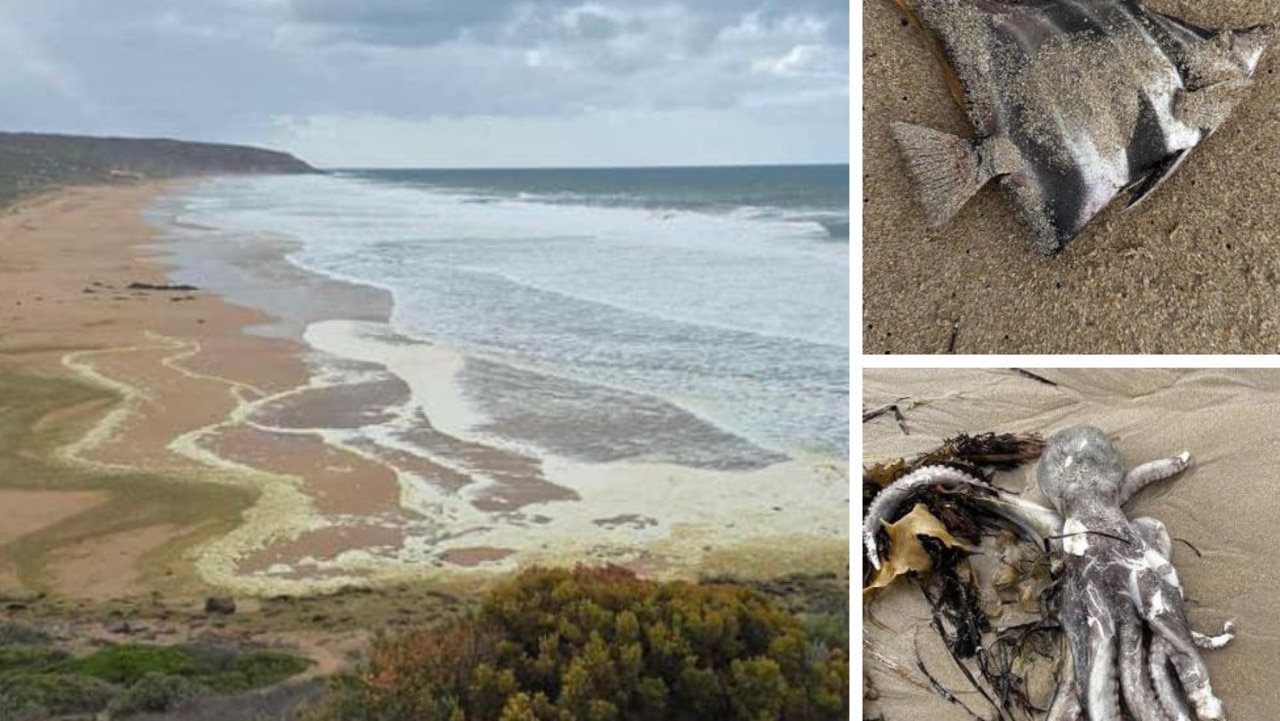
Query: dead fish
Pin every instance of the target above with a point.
(1074, 103)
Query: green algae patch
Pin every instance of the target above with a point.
(39, 413)
(217, 668)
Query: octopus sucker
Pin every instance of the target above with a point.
(1074, 101)
(1131, 650)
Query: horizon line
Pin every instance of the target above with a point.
(336, 168)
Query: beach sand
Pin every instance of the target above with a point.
(82, 457)
(1195, 269)
(1225, 505)
(164, 438)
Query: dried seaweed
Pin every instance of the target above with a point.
(970, 453)
(914, 540)
(893, 408)
(995, 660)
(1033, 376)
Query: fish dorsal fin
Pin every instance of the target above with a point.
(1156, 177)
(935, 45)
(1185, 28)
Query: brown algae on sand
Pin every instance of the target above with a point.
(1074, 103)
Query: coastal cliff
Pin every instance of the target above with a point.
(32, 162)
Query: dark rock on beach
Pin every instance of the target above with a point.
(219, 605)
(162, 286)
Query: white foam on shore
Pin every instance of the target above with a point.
(429, 370)
(672, 515)
(695, 511)
(666, 517)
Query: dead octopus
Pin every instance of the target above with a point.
(1116, 580)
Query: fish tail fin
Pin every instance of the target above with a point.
(947, 170)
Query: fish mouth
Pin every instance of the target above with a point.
(1252, 42)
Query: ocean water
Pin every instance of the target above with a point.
(694, 315)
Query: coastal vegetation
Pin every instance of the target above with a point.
(600, 644)
(547, 644)
(40, 678)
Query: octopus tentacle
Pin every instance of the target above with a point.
(1192, 673)
(1214, 643)
(1154, 533)
(1156, 595)
(1167, 691)
(896, 493)
(1139, 476)
(1163, 649)
(1102, 692)
(1034, 520)
(1134, 680)
(1075, 625)
(1066, 703)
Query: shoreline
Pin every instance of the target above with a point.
(177, 373)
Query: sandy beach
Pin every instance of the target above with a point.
(1224, 506)
(67, 261)
(1192, 270)
(159, 436)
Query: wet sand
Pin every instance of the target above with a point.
(1225, 505)
(1192, 270)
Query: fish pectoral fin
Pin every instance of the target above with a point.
(947, 170)
(1156, 178)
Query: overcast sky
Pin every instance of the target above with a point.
(347, 83)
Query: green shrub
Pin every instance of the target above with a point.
(56, 693)
(256, 670)
(30, 659)
(14, 633)
(209, 658)
(218, 668)
(602, 645)
(155, 692)
(14, 709)
(127, 663)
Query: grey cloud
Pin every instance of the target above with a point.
(229, 69)
(401, 22)
(430, 22)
